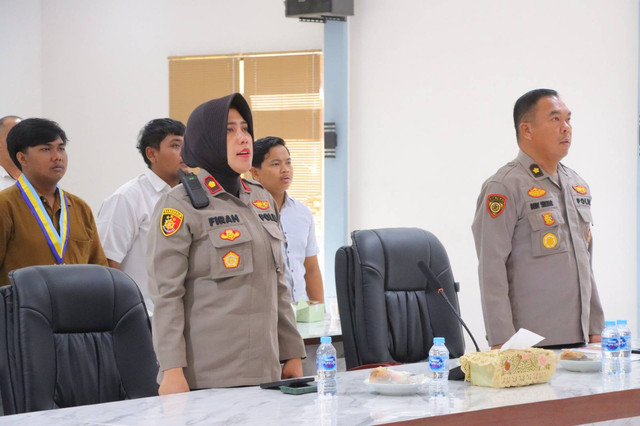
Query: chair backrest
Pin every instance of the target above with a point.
(73, 335)
(389, 312)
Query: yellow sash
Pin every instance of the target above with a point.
(57, 241)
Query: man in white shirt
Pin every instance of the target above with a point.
(272, 168)
(124, 218)
(8, 170)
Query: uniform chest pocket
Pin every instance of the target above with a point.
(276, 239)
(274, 231)
(585, 214)
(546, 232)
(232, 254)
(583, 205)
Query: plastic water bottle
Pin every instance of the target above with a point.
(610, 348)
(625, 346)
(438, 367)
(326, 368)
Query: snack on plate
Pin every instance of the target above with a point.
(384, 375)
(512, 367)
(573, 355)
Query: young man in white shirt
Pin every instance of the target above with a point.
(272, 168)
(124, 218)
(9, 173)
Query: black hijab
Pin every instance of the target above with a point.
(205, 139)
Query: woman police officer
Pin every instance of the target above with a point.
(222, 308)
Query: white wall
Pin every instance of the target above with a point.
(105, 70)
(421, 145)
(20, 58)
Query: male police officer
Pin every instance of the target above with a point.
(532, 230)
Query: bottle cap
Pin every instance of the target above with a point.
(325, 339)
(438, 340)
(622, 322)
(609, 323)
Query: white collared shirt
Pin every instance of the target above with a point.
(299, 229)
(123, 225)
(5, 179)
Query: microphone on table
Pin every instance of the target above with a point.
(430, 276)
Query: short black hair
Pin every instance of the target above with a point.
(526, 103)
(32, 132)
(261, 148)
(154, 132)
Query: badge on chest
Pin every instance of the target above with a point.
(230, 234)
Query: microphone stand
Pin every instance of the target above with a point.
(430, 276)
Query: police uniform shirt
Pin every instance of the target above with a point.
(299, 230)
(222, 306)
(22, 242)
(5, 179)
(533, 240)
(123, 224)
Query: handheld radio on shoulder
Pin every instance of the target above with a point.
(194, 189)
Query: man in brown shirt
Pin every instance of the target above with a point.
(40, 224)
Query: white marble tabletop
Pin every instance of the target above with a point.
(355, 403)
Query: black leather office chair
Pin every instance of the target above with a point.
(73, 335)
(389, 312)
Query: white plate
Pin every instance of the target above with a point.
(580, 366)
(396, 388)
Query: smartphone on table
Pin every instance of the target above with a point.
(295, 386)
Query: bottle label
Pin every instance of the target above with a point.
(327, 363)
(436, 363)
(610, 344)
(624, 343)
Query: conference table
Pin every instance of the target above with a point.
(568, 398)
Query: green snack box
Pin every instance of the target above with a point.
(309, 311)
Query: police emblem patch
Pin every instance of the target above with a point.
(230, 234)
(496, 204)
(548, 219)
(549, 240)
(212, 185)
(231, 260)
(536, 170)
(580, 189)
(536, 192)
(262, 205)
(170, 221)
